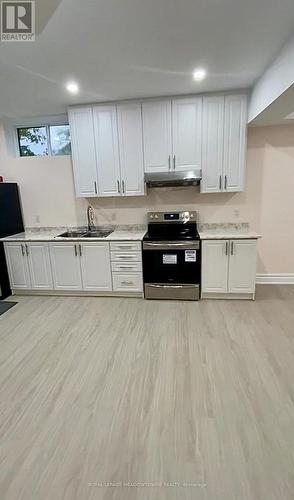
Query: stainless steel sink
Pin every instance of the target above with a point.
(73, 234)
(97, 233)
(100, 233)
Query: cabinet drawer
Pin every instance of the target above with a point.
(126, 256)
(125, 246)
(124, 282)
(126, 267)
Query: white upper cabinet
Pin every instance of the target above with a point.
(95, 266)
(186, 133)
(224, 143)
(157, 136)
(235, 142)
(131, 149)
(40, 267)
(212, 144)
(106, 140)
(242, 270)
(83, 151)
(113, 145)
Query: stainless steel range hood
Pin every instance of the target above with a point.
(173, 179)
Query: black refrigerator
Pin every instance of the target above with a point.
(11, 222)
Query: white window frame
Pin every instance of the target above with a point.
(11, 133)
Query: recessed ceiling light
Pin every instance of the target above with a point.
(199, 74)
(72, 87)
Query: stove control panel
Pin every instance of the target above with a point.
(171, 217)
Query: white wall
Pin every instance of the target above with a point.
(267, 204)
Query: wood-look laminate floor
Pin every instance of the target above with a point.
(123, 399)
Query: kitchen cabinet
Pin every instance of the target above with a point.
(224, 143)
(66, 267)
(186, 133)
(18, 265)
(81, 266)
(172, 132)
(235, 123)
(39, 266)
(157, 138)
(107, 153)
(131, 149)
(242, 269)
(29, 266)
(215, 265)
(95, 266)
(212, 144)
(83, 151)
(229, 267)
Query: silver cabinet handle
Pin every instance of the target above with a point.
(227, 247)
(232, 248)
(220, 182)
(76, 252)
(125, 267)
(80, 248)
(226, 182)
(95, 186)
(169, 162)
(22, 251)
(27, 250)
(125, 256)
(127, 282)
(118, 186)
(174, 160)
(123, 187)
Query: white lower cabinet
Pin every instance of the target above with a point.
(229, 267)
(66, 267)
(95, 266)
(39, 265)
(18, 266)
(242, 270)
(215, 265)
(75, 266)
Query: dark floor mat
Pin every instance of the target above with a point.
(5, 306)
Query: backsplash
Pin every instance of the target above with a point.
(216, 208)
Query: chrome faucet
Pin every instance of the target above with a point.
(91, 218)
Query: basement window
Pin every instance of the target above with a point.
(44, 140)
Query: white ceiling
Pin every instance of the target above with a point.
(120, 49)
(278, 112)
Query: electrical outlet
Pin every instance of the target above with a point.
(237, 213)
(37, 219)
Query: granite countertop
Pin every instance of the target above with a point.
(228, 231)
(121, 233)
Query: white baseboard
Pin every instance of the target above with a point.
(275, 279)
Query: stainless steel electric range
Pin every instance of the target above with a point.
(172, 256)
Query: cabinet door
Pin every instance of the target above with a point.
(215, 262)
(157, 136)
(95, 266)
(40, 266)
(18, 267)
(187, 133)
(83, 151)
(242, 266)
(235, 131)
(106, 140)
(131, 149)
(212, 144)
(65, 262)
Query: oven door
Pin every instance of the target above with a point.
(172, 269)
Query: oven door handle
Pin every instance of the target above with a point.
(169, 286)
(163, 245)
